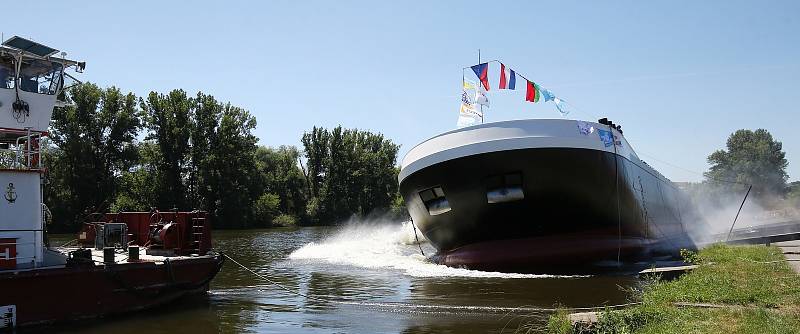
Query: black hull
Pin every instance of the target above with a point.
(581, 208)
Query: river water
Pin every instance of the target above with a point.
(362, 277)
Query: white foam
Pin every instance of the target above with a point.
(385, 246)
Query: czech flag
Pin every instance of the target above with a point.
(532, 93)
(481, 70)
(508, 79)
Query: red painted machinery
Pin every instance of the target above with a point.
(161, 233)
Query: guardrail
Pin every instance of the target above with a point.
(24, 153)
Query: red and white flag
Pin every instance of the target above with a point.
(508, 78)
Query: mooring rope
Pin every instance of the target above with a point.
(494, 309)
(415, 236)
(616, 190)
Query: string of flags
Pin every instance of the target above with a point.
(474, 94)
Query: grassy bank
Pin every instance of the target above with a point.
(747, 289)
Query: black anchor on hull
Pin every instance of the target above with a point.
(10, 195)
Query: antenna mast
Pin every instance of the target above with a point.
(479, 86)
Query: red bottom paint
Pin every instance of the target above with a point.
(545, 254)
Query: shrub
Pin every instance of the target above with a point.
(265, 209)
(285, 220)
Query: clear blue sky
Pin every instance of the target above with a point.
(680, 76)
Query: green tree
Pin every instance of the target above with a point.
(752, 157)
(316, 153)
(168, 118)
(201, 154)
(95, 141)
(204, 159)
(235, 180)
(281, 175)
(793, 194)
(351, 172)
(205, 120)
(265, 209)
(139, 186)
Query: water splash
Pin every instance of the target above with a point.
(385, 246)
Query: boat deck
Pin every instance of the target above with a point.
(121, 256)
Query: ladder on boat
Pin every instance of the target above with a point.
(198, 230)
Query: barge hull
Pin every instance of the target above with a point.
(89, 291)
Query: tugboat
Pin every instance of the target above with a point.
(543, 196)
(124, 262)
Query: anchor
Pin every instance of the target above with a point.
(11, 195)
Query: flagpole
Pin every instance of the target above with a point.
(479, 61)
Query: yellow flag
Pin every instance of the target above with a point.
(469, 84)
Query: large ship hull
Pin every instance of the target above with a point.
(541, 200)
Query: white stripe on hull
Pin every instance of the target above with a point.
(512, 135)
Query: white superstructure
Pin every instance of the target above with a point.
(31, 80)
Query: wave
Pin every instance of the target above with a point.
(383, 245)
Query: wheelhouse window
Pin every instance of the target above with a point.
(40, 76)
(504, 188)
(7, 71)
(435, 201)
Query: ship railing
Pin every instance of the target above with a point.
(24, 153)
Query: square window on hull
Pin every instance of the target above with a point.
(505, 194)
(504, 188)
(435, 201)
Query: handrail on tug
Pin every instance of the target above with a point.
(27, 152)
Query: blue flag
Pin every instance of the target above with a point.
(481, 70)
(547, 95)
(561, 106)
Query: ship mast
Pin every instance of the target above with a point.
(479, 61)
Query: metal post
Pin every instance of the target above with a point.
(28, 147)
(737, 213)
(108, 255)
(479, 85)
(133, 253)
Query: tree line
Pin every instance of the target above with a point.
(111, 151)
(751, 158)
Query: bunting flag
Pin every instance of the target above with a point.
(547, 95)
(508, 79)
(480, 97)
(467, 108)
(468, 114)
(532, 92)
(482, 71)
(469, 85)
(474, 95)
(467, 119)
(467, 94)
(561, 106)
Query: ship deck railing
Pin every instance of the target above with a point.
(21, 152)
